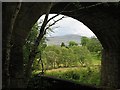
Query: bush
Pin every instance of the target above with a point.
(71, 75)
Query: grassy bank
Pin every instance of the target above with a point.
(85, 75)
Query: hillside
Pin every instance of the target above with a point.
(57, 40)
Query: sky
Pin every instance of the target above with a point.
(67, 26)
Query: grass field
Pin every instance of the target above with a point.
(85, 75)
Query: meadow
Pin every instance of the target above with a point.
(82, 74)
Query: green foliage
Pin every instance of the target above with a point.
(93, 45)
(84, 41)
(29, 43)
(54, 57)
(73, 43)
(71, 75)
(83, 55)
(86, 75)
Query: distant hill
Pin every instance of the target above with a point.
(57, 40)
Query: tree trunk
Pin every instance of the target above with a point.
(42, 66)
(35, 46)
(110, 69)
(40, 60)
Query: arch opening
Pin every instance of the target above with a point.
(66, 58)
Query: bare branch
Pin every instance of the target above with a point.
(53, 23)
(59, 13)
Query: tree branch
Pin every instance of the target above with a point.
(59, 13)
(53, 24)
(37, 42)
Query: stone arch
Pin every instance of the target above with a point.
(103, 20)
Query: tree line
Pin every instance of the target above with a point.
(74, 54)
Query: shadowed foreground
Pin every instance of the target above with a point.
(48, 82)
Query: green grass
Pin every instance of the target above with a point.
(83, 75)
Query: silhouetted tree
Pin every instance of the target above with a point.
(62, 44)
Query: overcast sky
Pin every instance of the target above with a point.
(67, 26)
